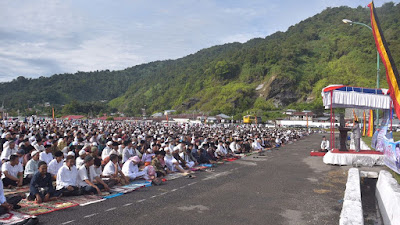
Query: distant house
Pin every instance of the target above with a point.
(301, 116)
(289, 112)
(73, 117)
(157, 115)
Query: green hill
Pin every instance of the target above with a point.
(264, 74)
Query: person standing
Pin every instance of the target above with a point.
(357, 135)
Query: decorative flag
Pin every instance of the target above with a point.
(371, 123)
(53, 113)
(392, 75)
(364, 125)
(355, 117)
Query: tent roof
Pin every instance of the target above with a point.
(355, 97)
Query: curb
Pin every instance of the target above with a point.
(352, 212)
(388, 196)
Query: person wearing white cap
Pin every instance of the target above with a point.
(131, 168)
(31, 167)
(128, 151)
(81, 159)
(46, 156)
(107, 150)
(9, 150)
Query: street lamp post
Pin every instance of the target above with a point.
(377, 59)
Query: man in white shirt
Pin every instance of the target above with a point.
(46, 156)
(128, 151)
(10, 203)
(10, 150)
(324, 145)
(56, 164)
(38, 145)
(67, 178)
(113, 171)
(86, 177)
(31, 167)
(221, 151)
(131, 168)
(107, 150)
(81, 159)
(12, 172)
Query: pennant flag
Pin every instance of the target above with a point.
(392, 75)
(371, 123)
(355, 116)
(53, 113)
(364, 125)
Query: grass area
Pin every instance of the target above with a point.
(367, 140)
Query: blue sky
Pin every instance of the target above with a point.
(46, 37)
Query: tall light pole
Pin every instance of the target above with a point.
(377, 59)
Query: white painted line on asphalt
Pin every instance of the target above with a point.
(174, 190)
(110, 209)
(142, 200)
(153, 196)
(163, 193)
(68, 222)
(87, 216)
(128, 204)
(192, 183)
(182, 187)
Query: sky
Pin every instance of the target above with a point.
(46, 37)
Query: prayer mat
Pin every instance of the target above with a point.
(317, 153)
(174, 176)
(32, 208)
(142, 182)
(13, 217)
(134, 186)
(113, 195)
(206, 165)
(59, 204)
(83, 200)
(121, 190)
(220, 162)
(14, 191)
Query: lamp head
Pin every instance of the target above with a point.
(347, 21)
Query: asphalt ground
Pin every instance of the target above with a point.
(286, 186)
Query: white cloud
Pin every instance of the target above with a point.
(44, 37)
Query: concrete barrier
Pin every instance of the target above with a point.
(388, 196)
(352, 212)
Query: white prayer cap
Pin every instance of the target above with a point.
(109, 143)
(75, 143)
(176, 148)
(94, 143)
(119, 139)
(82, 152)
(34, 153)
(71, 153)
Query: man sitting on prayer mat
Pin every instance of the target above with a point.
(41, 187)
(324, 145)
(7, 204)
(12, 172)
(67, 177)
(87, 175)
(113, 171)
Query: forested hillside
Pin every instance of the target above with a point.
(286, 69)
